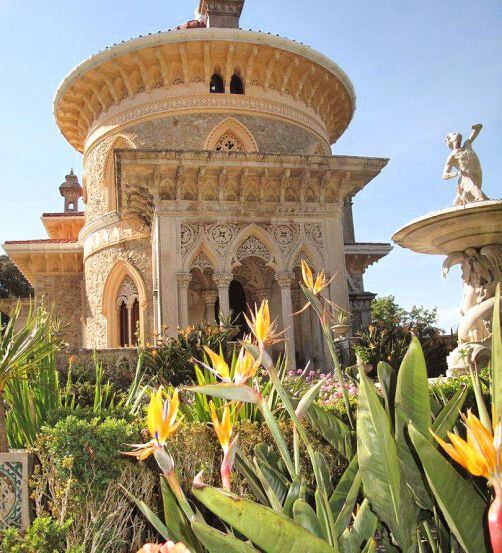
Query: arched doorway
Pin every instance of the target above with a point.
(238, 306)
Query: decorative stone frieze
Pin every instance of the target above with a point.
(14, 491)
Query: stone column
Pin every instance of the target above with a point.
(222, 281)
(209, 298)
(284, 281)
(334, 253)
(183, 284)
(296, 299)
(167, 261)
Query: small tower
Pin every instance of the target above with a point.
(71, 191)
(220, 13)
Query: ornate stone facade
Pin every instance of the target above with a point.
(208, 176)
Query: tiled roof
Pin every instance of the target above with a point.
(44, 241)
(64, 214)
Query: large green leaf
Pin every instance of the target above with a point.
(218, 542)
(496, 362)
(412, 402)
(449, 414)
(247, 469)
(306, 517)
(293, 495)
(339, 496)
(349, 501)
(382, 475)
(231, 392)
(412, 389)
(175, 520)
(385, 373)
(362, 530)
(268, 530)
(333, 430)
(461, 506)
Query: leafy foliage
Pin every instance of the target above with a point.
(389, 335)
(45, 535)
(173, 358)
(13, 284)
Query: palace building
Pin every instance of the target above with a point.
(207, 177)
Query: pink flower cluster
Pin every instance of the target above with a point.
(331, 390)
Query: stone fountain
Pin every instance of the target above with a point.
(468, 234)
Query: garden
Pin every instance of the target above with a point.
(211, 444)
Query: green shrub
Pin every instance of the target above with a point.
(195, 447)
(87, 450)
(172, 359)
(45, 535)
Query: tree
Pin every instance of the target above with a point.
(389, 335)
(12, 281)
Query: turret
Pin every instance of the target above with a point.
(220, 13)
(71, 191)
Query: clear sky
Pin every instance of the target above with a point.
(420, 70)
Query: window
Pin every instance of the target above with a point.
(228, 142)
(236, 86)
(216, 86)
(128, 313)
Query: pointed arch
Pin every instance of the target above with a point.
(120, 141)
(232, 128)
(258, 233)
(111, 303)
(311, 256)
(201, 248)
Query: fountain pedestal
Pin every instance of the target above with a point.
(469, 235)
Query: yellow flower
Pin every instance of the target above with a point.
(161, 423)
(481, 453)
(261, 326)
(223, 429)
(220, 366)
(315, 286)
(245, 367)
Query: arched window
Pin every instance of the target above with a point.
(128, 313)
(216, 86)
(135, 321)
(123, 324)
(236, 86)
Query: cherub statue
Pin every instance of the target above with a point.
(464, 159)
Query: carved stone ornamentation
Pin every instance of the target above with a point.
(252, 247)
(314, 234)
(284, 280)
(481, 272)
(184, 279)
(229, 142)
(201, 262)
(222, 280)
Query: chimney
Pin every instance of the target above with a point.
(221, 13)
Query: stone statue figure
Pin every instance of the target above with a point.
(464, 159)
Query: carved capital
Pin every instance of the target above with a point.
(284, 280)
(184, 279)
(223, 280)
(209, 297)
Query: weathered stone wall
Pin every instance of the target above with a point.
(190, 132)
(63, 293)
(97, 268)
(183, 132)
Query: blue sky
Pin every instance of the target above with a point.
(420, 70)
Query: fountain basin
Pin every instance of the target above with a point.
(454, 229)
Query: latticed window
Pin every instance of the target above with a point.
(128, 313)
(228, 142)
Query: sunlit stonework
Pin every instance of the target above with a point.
(207, 178)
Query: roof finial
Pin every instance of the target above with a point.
(220, 13)
(71, 191)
